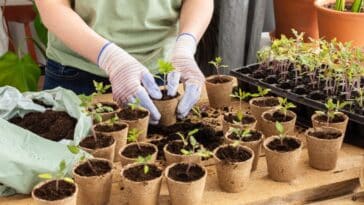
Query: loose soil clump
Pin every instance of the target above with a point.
(49, 190)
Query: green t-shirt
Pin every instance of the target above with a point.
(144, 28)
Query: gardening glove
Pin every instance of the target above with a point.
(129, 79)
(184, 62)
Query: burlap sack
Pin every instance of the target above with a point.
(269, 127)
(67, 201)
(233, 177)
(141, 125)
(94, 190)
(126, 160)
(258, 111)
(104, 153)
(167, 109)
(219, 94)
(323, 153)
(340, 125)
(227, 125)
(282, 166)
(177, 158)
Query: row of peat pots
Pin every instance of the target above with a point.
(321, 18)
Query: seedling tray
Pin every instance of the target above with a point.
(306, 106)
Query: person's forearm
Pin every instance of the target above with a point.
(196, 16)
(62, 21)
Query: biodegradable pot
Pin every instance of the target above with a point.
(104, 152)
(256, 146)
(120, 136)
(167, 109)
(257, 111)
(227, 125)
(344, 26)
(233, 176)
(323, 153)
(340, 125)
(219, 93)
(182, 193)
(178, 158)
(139, 124)
(143, 192)
(71, 200)
(127, 160)
(269, 127)
(94, 190)
(282, 166)
(286, 18)
(109, 115)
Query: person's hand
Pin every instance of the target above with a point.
(129, 79)
(188, 71)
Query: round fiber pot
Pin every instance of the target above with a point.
(339, 125)
(140, 124)
(109, 115)
(219, 93)
(344, 26)
(187, 190)
(226, 125)
(269, 127)
(70, 199)
(255, 145)
(323, 153)
(167, 109)
(106, 152)
(282, 166)
(286, 18)
(136, 152)
(257, 111)
(233, 173)
(143, 191)
(94, 187)
(177, 158)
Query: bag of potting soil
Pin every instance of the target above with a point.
(23, 154)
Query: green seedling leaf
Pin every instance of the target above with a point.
(73, 149)
(45, 176)
(146, 169)
(165, 67)
(186, 152)
(135, 105)
(193, 141)
(62, 166)
(236, 143)
(69, 180)
(279, 128)
(134, 134)
(191, 133)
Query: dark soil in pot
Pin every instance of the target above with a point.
(301, 90)
(137, 173)
(186, 173)
(129, 114)
(325, 135)
(176, 146)
(336, 119)
(255, 136)
(98, 168)
(233, 154)
(49, 190)
(165, 95)
(271, 79)
(259, 74)
(285, 85)
(278, 116)
(231, 118)
(218, 80)
(105, 104)
(51, 125)
(101, 142)
(285, 145)
(317, 95)
(270, 102)
(109, 128)
(134, 151)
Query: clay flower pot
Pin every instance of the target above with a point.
(146, 189)
(130, 153)
(108, 115)
(269, 126)
(179, 157)
(323, 145)
(316, 123)
(39, 197)
(119, 132)
(167, 109)
(344, 26)
(219, 93)
(251, 142)
(249, 121)
(140, 121)
(286, 18)
(233, 171)
(105, 148)
(94, 188)
(257, 107)
(282, 165)
(187, 190)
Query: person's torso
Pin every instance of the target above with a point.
(144, 28)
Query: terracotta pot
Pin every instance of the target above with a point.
(233, 177)
(227, 125)
(219, 94)
(71, 200)
(142, 193)
(167, 109)
(108, 116)
(127, 160)
(140, 124)
(177, 158)
(256, 146)
(269, 127)
(340, 125)
(103, 153)
(258, 111)
(120, 136)
(286, 18)
(344, 26)
(94, 190)
(282, 166)
(182, 193)
(323, 153)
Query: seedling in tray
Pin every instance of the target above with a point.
(332, 109)
(144, 161)
(217, 63)
(100, 88)
(261, 92)
(241, 133)
(58, 176)
(164, 68)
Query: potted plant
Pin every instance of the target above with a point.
(283, 155)
(207, 116)
(283, 115)
(167, 106)
(234, 164)
(100, 146)
(57, 189)
(219, 86)
(130, 152)
(142, 181)
(323, 145)
(116, 129)
(341, 19)
(247, 137)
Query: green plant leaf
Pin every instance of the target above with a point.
(165, 67)
(146, 169)
(69, 180)
(185, 152)
(279, 127)
(73, 149)
(45, 176)
(62, 165)
(192, 132)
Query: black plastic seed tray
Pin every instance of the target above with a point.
(306, 106)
